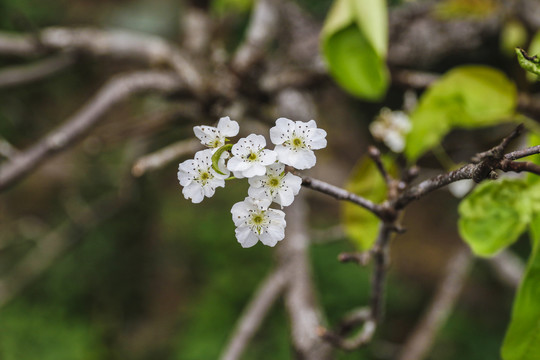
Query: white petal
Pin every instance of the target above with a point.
(273, 235)
(315, 138)
(302, 159)
(285, 197)
(206, 134)
(282, 131)
(236, 164)
(267, 157)
(293, 182)
(394, 141)
(245, 237)
(228, 127)
(259, 193)
(193, 191)
(311, 124)
(258, 141)
(257, 181)
(254, 170)
(242, 148)
(189, 166)
(283, 154)
(275, 169)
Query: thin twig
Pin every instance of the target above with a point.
(421, 340)
(341, 194)
(117, 89)
(253, 315)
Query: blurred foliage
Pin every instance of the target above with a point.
(467, 97)
(164, 279)
(354, 43)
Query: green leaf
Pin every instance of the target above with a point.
(361, 226)
(468, 97)
(513, 35)
(354, 43)
(217, 155)
(522, 340)
(529, 63)
(494, 215)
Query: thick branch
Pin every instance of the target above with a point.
(117, 89)
(300, 301)
(254, 314)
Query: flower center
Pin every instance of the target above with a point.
(297, 142)
(273, 182)
(257, 219)
(252, 156)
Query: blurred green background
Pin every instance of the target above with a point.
(152, 276)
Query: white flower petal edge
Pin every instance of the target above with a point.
(391, 127)
(250, 158)
(275, 185)
(256, 222)
(198, 177)
(213, 137)
(295, 142)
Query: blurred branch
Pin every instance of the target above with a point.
(303, 310)
(115, 44)
(421, 340)
(117, 89)
(53, 245)
(508, 267)
(23, 74)
(254, 313)
(164, 156)
(262, 28)
(7, 150)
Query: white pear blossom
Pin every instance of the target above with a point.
(295, 142)
(461, 188)
(275, 185)
(391, 127)
(256, 222)
(214, 137)
(198, 177)
(250, 158)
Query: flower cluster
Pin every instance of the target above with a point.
(391, 127)
(264, 168)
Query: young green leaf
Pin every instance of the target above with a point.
(354, 43)
(494, 215)
(529, 63)
(522, 340)
(466, 96)
(217, 155)
(360, 225)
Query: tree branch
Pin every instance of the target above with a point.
(421, 340)
(23, 74)
(117, 89)
(254, 313)
(114, 44)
